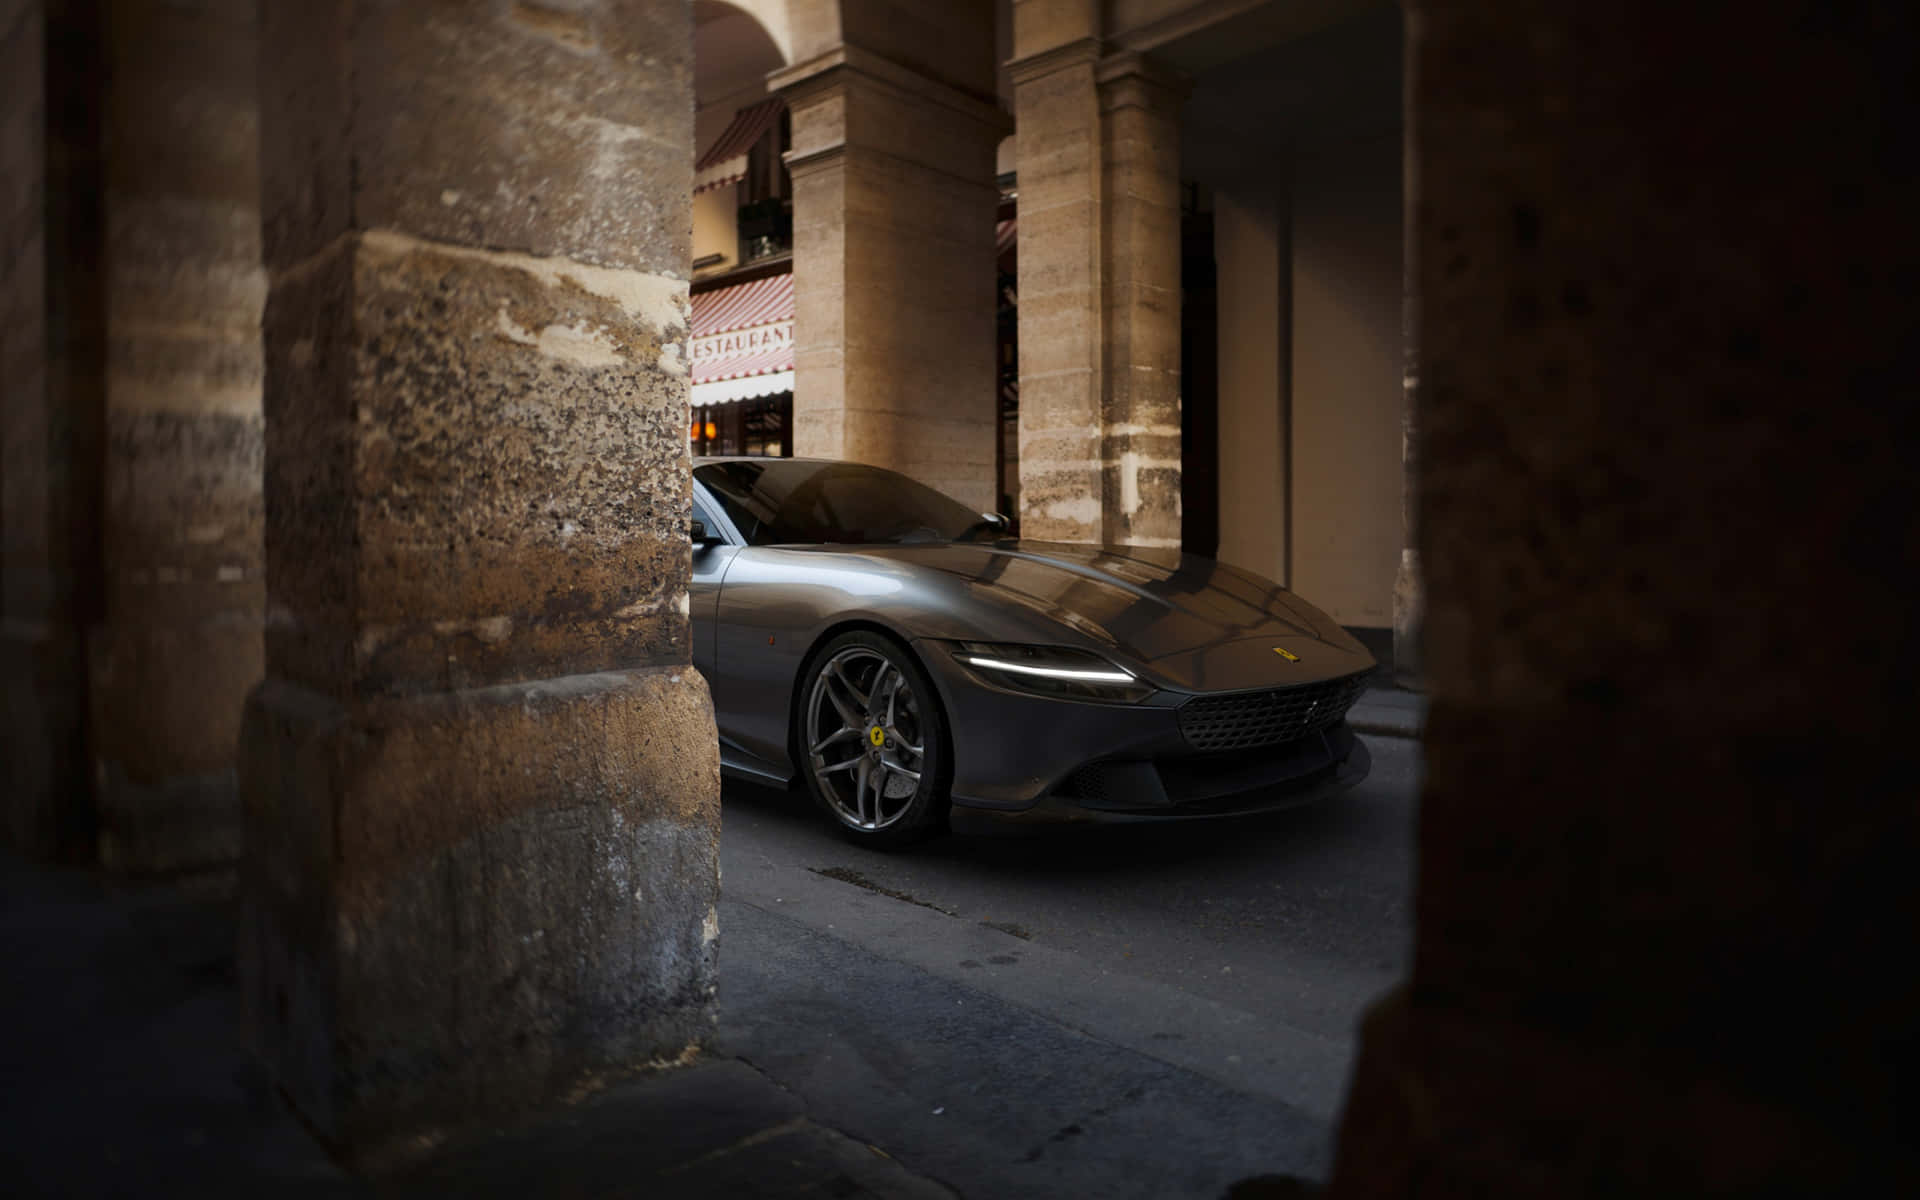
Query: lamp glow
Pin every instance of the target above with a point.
(1000, 664)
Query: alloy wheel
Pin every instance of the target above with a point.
(865, 738)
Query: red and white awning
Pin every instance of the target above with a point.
(725, 162)
(743, 341)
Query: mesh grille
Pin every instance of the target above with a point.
(1089, 783)
(1248, 719)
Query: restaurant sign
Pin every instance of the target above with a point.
(740, 343)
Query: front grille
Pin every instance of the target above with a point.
(1247, 719)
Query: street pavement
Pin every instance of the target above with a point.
(1137, 1011)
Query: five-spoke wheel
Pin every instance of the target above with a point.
(871, 735)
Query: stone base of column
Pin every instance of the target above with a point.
(1447, 1103)
(1409, 613)
(48, 808)
(166, 715)
(465, 904)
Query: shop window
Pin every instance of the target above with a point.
(766, 196)
(761, 428)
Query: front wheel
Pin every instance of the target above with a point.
(872, 740)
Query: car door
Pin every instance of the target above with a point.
(739, 646)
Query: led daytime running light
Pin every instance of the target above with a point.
(1000, 664)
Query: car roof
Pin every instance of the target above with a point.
(703, 460)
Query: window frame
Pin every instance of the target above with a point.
(714, 517)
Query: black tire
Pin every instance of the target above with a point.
(897, 797)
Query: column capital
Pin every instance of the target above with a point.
(1078, 52)
(848, 65)
(1130, 79)
(820, 91)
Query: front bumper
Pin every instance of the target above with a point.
(1137, 791)
(1047, 759)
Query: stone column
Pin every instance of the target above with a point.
(1099, 293)
(1667, 907)
(25, 770)
(51, 349)
(893, 269)
(1409, 585)
(1057, 143)
(181, 642)
(1140, 163)
(480, 782)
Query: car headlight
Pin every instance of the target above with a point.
(1061, 671)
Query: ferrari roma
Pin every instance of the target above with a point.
(905, 659)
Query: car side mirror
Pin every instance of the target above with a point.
(995, 521)
(698, 535)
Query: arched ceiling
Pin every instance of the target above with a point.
(1246, 114)
(735, 45)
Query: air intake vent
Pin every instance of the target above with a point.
(1248, 719)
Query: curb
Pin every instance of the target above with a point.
(1385, 726)
(1392, 714)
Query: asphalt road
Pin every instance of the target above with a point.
(1136, 1012)
(1140, 1010)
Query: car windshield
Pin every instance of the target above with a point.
(783, 501)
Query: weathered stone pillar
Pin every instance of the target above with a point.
(481, 784)
(1667, 908)
(1057, 131)
(894, 307)
(51, 349)
(25, 752)
(180, 645)
(1099, 172)
(1409, 583)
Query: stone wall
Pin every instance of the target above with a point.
(1251, 248)
(1345, 395)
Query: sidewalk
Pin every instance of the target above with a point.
(1389, 712)
(121, 1075)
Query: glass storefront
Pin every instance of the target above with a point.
(761, 428)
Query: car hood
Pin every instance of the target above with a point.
(1192, 623)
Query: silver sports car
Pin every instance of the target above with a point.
(904, 657)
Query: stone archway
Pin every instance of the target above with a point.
(734, 51)
(735, 47)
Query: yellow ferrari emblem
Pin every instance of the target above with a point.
(1289, 655)
(877, 736)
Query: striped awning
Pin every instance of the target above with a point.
(1005, 234)
(725, 162)
(743, 341)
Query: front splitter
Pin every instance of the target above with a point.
(1054, 810)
